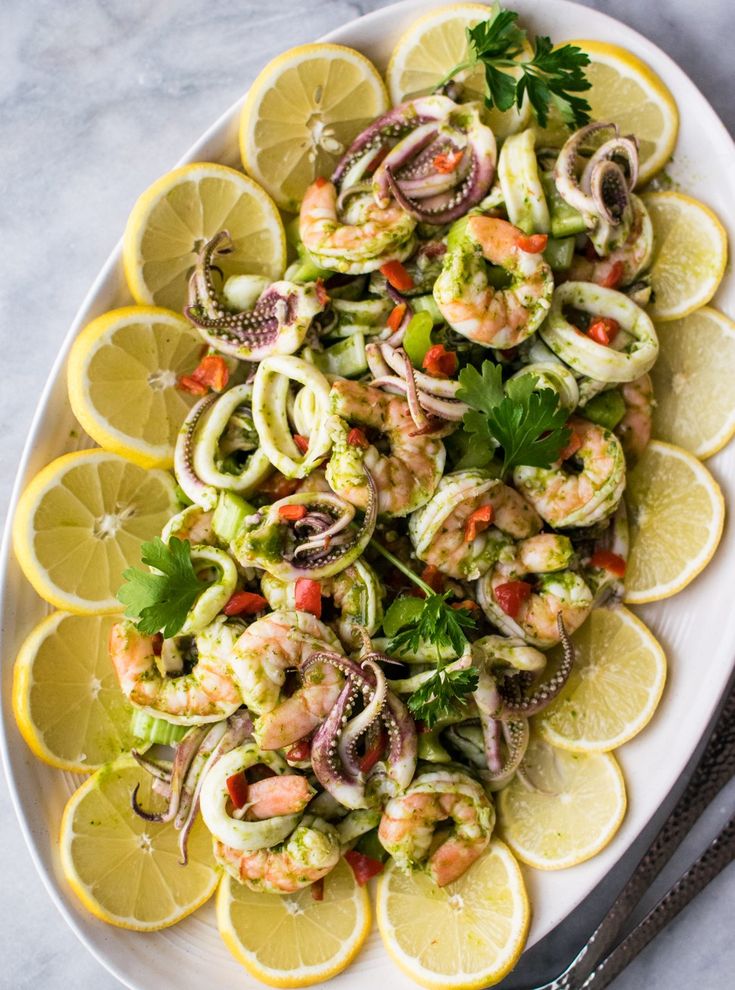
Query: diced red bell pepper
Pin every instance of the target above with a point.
(320, 181)
(478, 522)
(308, 596)
(432, 576)
(317, 889)
(245, 603)
(278, 486)
(609, 561)
(603, 330)
(466, 605)
(396, 317)
(356, 438)
(299, 751)
(439, 362)
(301, 442)
(211, 372)
(446, 163)
(237, 788)
(614, 277)
(373, 754)
(292, 513)
(571, 448)
(397, 275)
(364, 867)
(532, 243)
(511, 596)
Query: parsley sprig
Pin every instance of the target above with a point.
(529, 425)
(436, 624)
(553, 76)
(160, 601)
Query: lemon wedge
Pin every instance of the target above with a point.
(315, 939)
(689, 254)
(125, 870)
(175, 217)
(568, 807)
(466, 935)
(676, 514)
(122, 375)
(614, 688)
(66, 698)
(81, 522)
(694, 382)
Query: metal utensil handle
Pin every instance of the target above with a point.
(715, 768)
(717, 856)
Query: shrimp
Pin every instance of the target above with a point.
(444, 536)
(308, 854)
(261, 657)
(634, 429)
(557, 591)
(357, 592)
(406, 477)
(193, 524)
(566, 498)
(499, 318)
(380, 235)
(407, 827)
(208, 693)
(624, 262)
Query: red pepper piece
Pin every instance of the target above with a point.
(603, 331)
(237, 788)
(320, 181)
(211, 373)
(363, 866)
(308, 596)
(432, 576)
(447, 163)
(614, 277)
(291, 513)
(511, 596)
(478, 522)
(439, 362)
(299, 751)
(466, 604)
(609, 561)
(532, 243)
(396, 317)
(571, 448)
(373, 754)
(397, 275)
(317, 889)
(356, 438)
(301, 442)
(245, 603)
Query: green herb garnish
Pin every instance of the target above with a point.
(440, 696)
(551, 77)
(529, 425)
(161, 601)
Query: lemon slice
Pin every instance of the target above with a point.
(122, 374)
(694, 382)
(630, 94)
(676, 515)
(293, 940)
(689, 254)
(431, 47)
(125, 870)
(614, 688)
(81, 522)
(302, 113)
(567, 809)
(180, 212)
(66, 698)
(465, 935)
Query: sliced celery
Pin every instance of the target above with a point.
(430, 747)
(606, 409)
(417, 339)
(427, 304)
(229, 515)
(559, 253)
(150, 729)
(346, 358)
(403, 611)
(565, 220)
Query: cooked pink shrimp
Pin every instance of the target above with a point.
(283, 794)
(498, 318)
(408, 824)
(634, 429)
(624, 263)
(381, 235)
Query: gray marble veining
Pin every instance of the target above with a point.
(98, 98)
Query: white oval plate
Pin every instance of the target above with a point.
(697, 627)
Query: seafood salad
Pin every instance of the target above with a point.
(400, 468)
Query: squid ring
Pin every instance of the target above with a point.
(211, 601)
(206, 441)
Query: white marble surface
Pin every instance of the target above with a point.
(98, 98)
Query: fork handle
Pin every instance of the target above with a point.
(716, 857)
